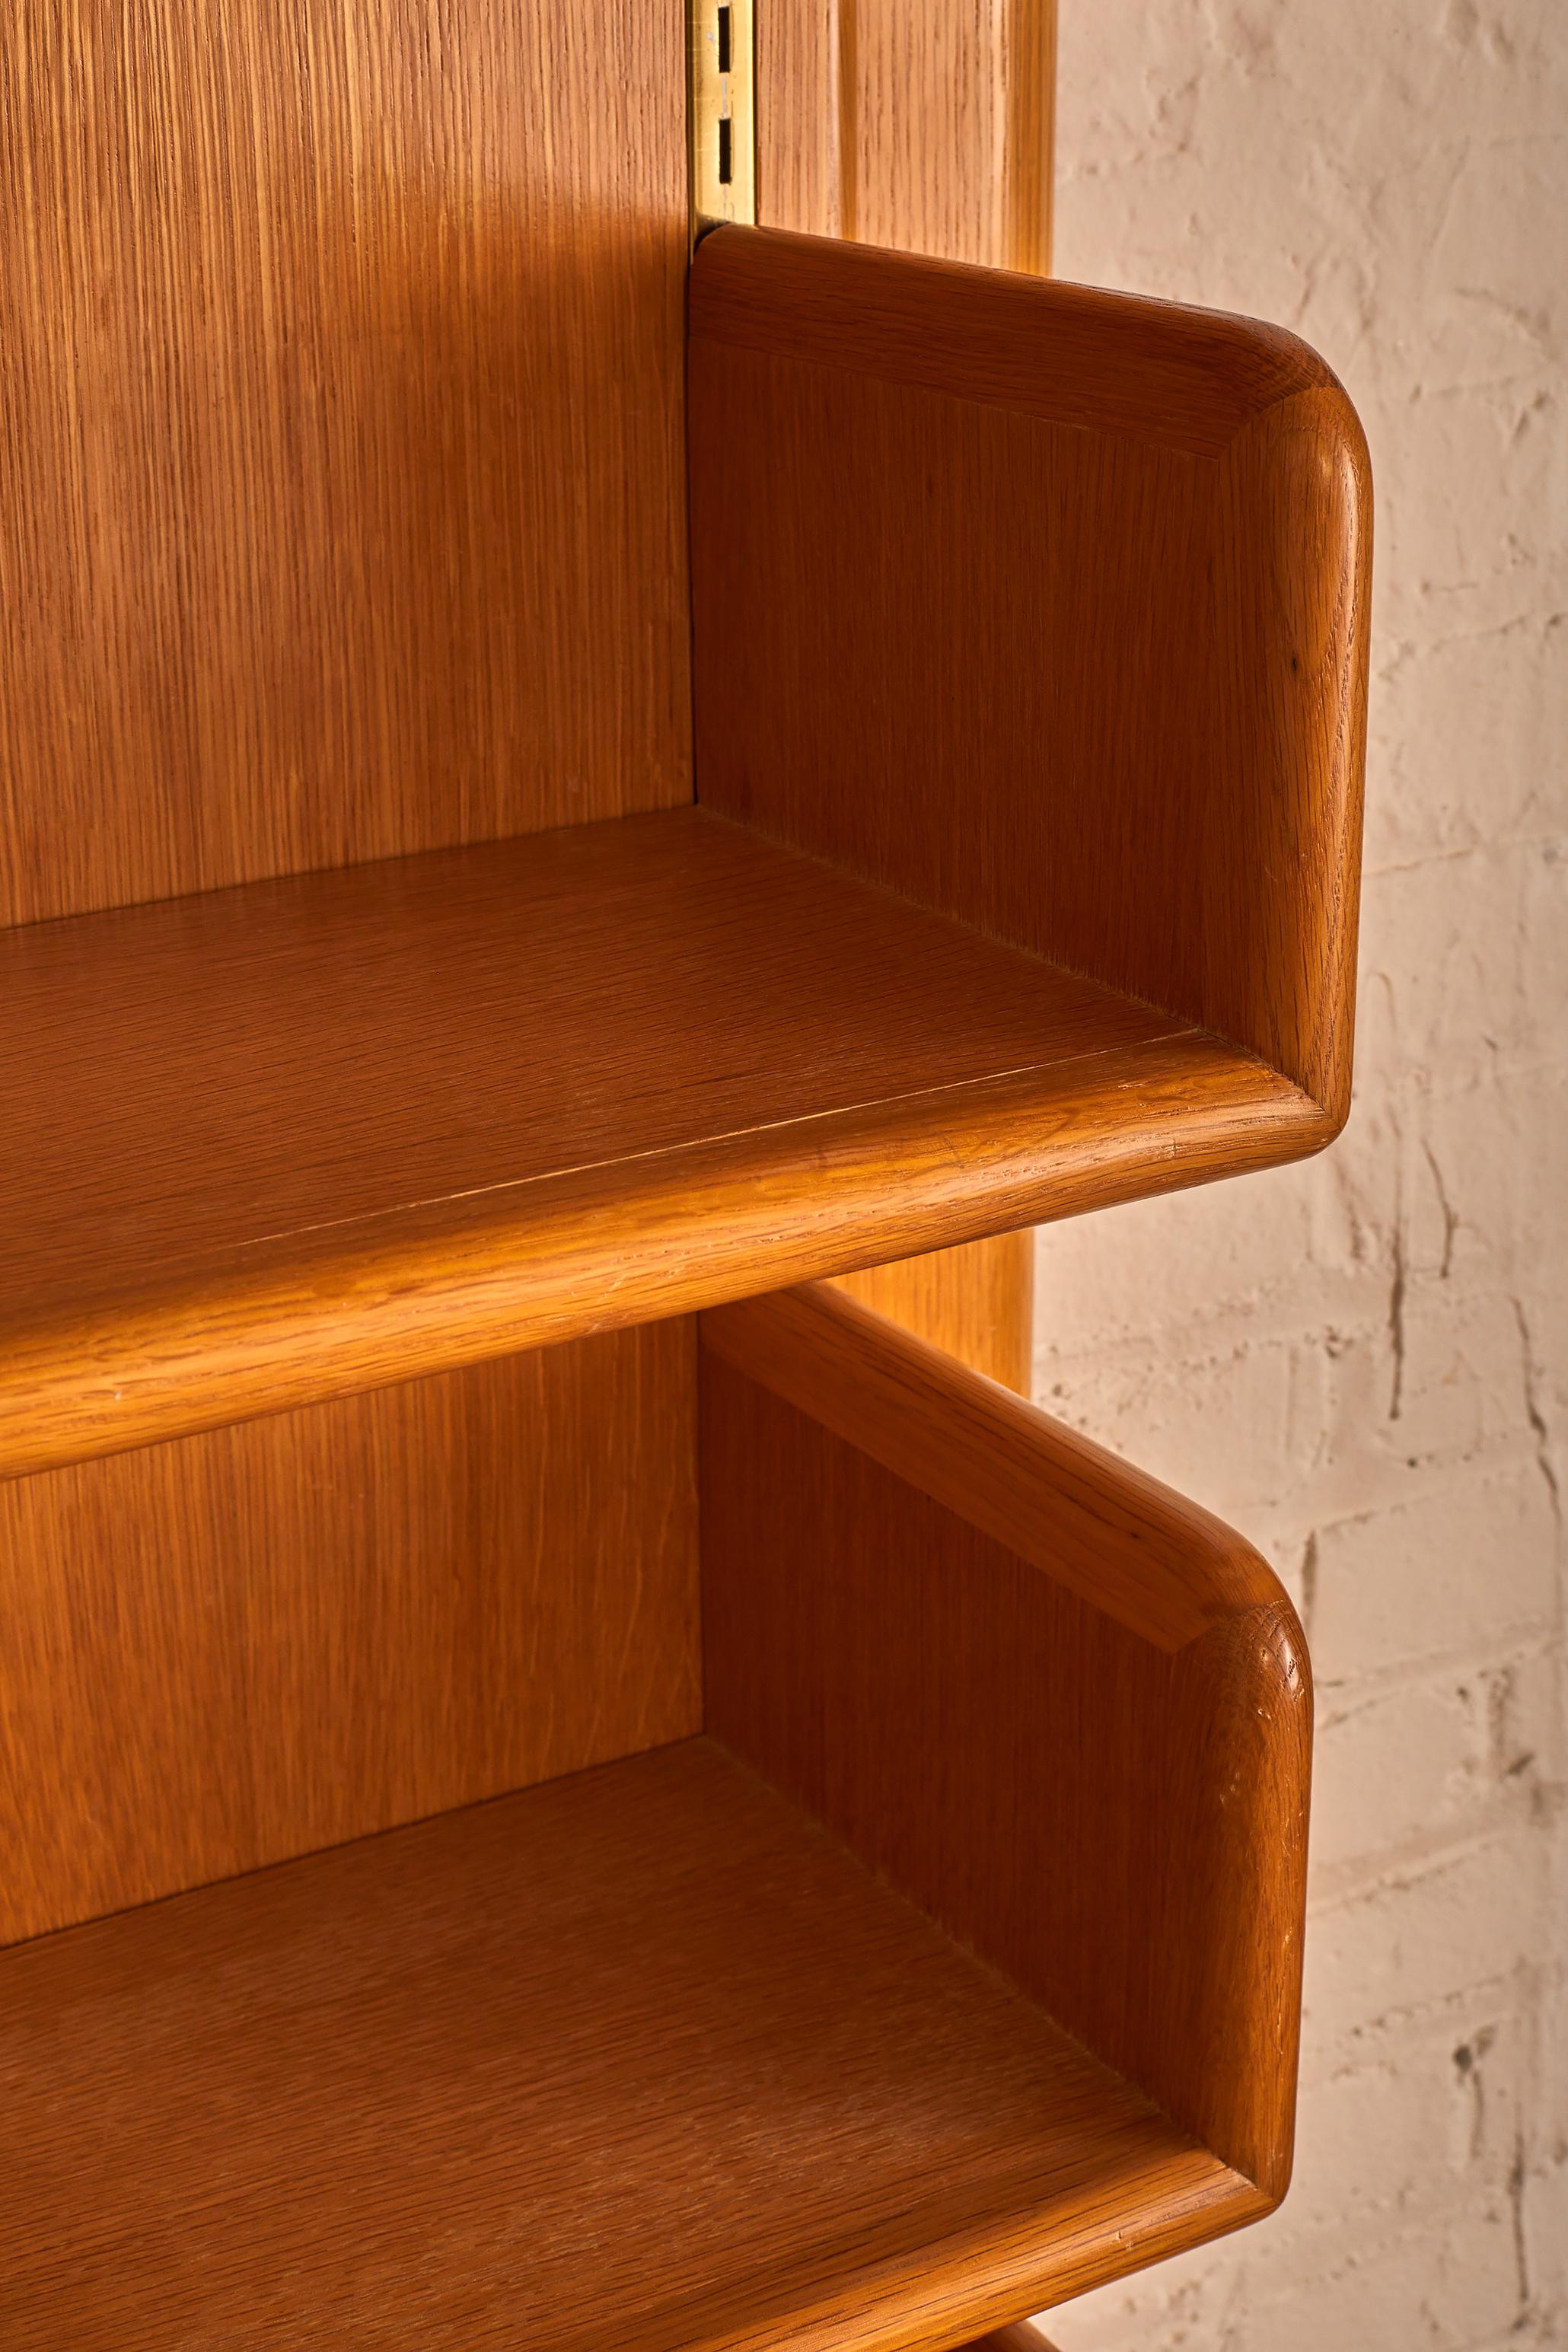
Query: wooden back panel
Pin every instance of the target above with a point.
(929, 128)
(342, 512)
(1062, 1709)
(341, 509)
(221, 1651)
(976, 1302)
(1078, 655)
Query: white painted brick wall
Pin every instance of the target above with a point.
(1364, 1363)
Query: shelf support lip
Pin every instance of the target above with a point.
(309, 1316)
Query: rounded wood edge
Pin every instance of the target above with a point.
(1161, 1566)
(341, 1310)
(1299, 491)
(916, 316)
(1250, 1679)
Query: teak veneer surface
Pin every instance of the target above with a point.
(341, 509)
(230, 1649)
(1161, 1566)
(332, 1132)
(1061, 1707)
(342, 514)
(929, 128)
(974, 1301)
(1046, 606)
(639, 2058)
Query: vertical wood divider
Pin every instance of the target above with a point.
(931, 128)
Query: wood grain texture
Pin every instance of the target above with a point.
(1162, 1567)
(341, 513)
(947, 86)
(1051, 1702)
(330, 1132)
(798, 56)
(972, 90)
(975, 1302)
(1089, 574)
(341, 396)
(1029, 192)
(639, 2058)
(240, 1647)
(929, 128)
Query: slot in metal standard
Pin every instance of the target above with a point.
(722, 113)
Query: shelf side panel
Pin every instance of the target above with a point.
(341, 367)
(1047, 607)
(222, 1651)
(1063, 1710)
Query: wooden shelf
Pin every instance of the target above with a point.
(985, 1992)
(1013, 639)
(1062, 1709)
(302, 1137)
(640, 2057)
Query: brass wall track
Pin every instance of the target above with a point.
(723, 123)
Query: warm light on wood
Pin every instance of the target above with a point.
(1089, 577)
(654, 2011)
(569, 831)
(341, 370)
(325, 1134)
(1016, 1676)
(232, 1649)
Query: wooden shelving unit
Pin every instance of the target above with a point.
(562, 1782)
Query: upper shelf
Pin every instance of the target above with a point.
(1041, 609)
(284, 1140)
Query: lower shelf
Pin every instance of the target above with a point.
(639, 2057)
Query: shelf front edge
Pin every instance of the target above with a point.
(299, 1317)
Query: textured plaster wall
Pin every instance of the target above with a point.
(1364, 1363)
